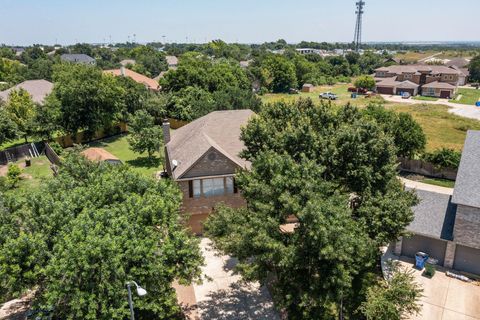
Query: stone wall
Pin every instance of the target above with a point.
(467, 224)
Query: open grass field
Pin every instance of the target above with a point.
(442, 128)
(422, 98)
(119, 147)
(413, 56)
(469, 96)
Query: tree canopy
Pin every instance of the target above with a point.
(85, 233)
(334, 171)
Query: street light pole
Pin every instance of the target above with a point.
(130, 301)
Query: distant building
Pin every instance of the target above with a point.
(307, 87)
(38, 90)
(245, 64)
(150, 84)
(126, 62)
(78, 58)
(431, 81)
(172, 61)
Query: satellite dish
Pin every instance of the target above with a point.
(175, 163)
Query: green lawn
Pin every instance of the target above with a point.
(469, 96)
(443, 129)
(34, 175)
(422, 98)
(119, 147)
(439, 182)
(341, 90)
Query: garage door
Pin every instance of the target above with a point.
(411, 91)
(445, 94)
(435, 248)
(467, 259)
(385, 90)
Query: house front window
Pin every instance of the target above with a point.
(429, 92)
(212, 187)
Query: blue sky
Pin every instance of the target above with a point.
(250, 21)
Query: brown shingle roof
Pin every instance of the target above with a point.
(98, 154)
(38, 89)
(407, 85)
(399, 69)
(219, 130)
(137, 77)
(439, 85)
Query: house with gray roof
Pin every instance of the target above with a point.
(38, 90)
(447, 226)
(203, 158)
(78, 58)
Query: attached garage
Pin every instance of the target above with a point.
(467, 259)
(411, 91)
(407, 86)
(445, 94)
(435, 248)
(385, 90)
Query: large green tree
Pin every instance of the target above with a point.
(85, 233)
(145, 135)
(89, 100)
(8, 128)
(334, 172)
(474, 68)
(22, 111)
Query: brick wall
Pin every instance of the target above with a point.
(200, 208)
(467, 224)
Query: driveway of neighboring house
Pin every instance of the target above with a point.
(444, 298)
(463, 110)
(223, 295)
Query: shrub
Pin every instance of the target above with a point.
(13, 175)
(444, 158)
(56, 147)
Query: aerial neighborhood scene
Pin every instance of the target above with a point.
(207, 159)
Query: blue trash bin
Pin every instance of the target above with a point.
(478, 104)
(420, 259)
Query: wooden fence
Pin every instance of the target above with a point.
(83, 137)
(52, 155)
(426, 169)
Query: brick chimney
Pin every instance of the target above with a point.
(166, 131)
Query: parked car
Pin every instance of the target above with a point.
(352, 89)
(406, 95)
(328, 95)
(293, 91)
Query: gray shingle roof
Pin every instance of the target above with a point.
(467, 185)
(38, 90)
(220, 130)
(77, 57)
(434, 215)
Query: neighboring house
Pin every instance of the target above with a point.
(150, 84)
(432, 81)
(38, 90)
(458, 62)
(203, 158)
(448, 227)
(127, 62)
(307, 87)
(78, 58)
(172, 62)
(100, 155)
(245, 64)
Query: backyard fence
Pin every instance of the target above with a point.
(83, 137)
(16, 153)
(52, 155)
(426, 169)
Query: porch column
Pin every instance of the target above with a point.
(450, 254)
(398, 247)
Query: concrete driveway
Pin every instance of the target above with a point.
(223, 295)
(446, 298)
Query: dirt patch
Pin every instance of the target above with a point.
(3, 171)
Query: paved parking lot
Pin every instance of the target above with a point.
(224, 296)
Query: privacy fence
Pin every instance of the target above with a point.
(426, 169)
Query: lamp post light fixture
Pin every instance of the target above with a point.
(140, 291)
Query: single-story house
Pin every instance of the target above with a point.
(38, 90)
(172, 62)
(100, 155)
(203, 158)
(447, 226)
(78, 58)
(150, 84)
(307, 87)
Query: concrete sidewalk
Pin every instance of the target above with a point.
(425, 187)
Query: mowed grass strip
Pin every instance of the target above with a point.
(469, 96)
(443, 129)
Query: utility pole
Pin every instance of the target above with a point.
(357, 40)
